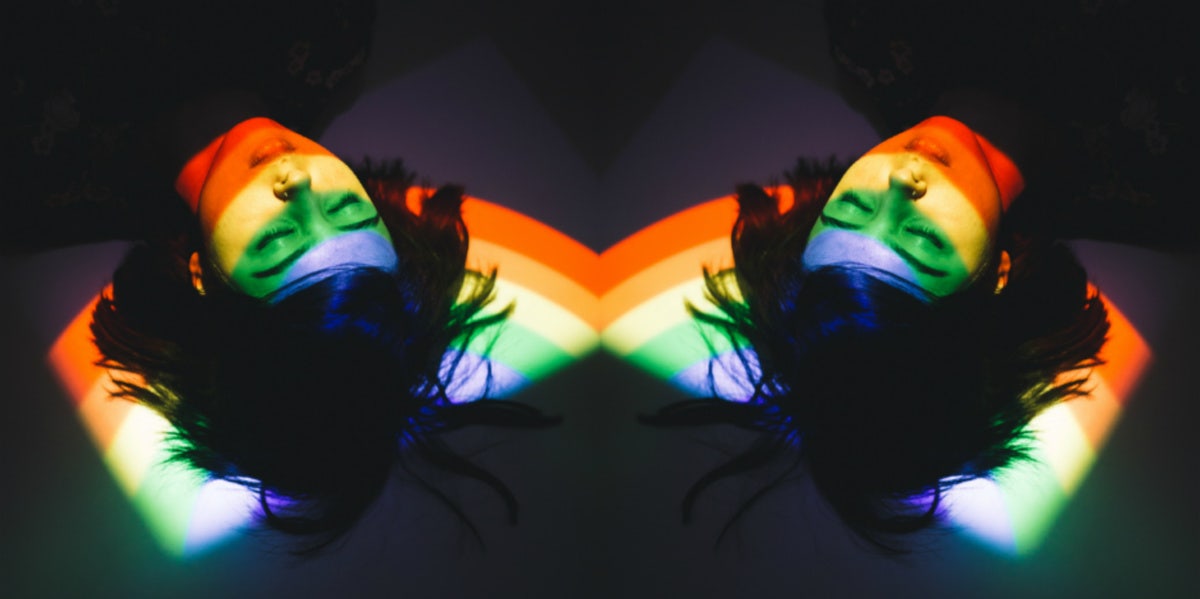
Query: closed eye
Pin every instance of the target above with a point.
(362, 224)
(929, 235)
(282, 265)
(916, 263)
(345, 202)
(857, 202)
(840, 224)
(274, 234)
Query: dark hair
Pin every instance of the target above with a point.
(311, 400)
(885, 396)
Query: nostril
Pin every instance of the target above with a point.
(907, 180)
(288, 182)
(917, 190)
(281, 189)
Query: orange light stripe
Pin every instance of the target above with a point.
(534, 275)
(685, 229)
(73, 355)
(1096, 413)
(527, 236)
(102, 413)
(1125, 354)
(665, 274)
(73, 358)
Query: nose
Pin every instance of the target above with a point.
(290, 181)
(908, 181)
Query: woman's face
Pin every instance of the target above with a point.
(922, 205)
(276, 207)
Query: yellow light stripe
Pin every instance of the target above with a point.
(1097, 413)
(134, 449)
(1064, 446)
(549, 320)
(101, 413)
(527, 236)
(661, 312)
(684, 266)
(516, 268)
(666, 237)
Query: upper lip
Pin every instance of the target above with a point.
(929, 148)
(270, 149)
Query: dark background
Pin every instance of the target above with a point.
(600, 120)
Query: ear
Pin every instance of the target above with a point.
(1002, 272)
(197, 272)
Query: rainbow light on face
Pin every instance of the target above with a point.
(551, 326)
(631, 300)
(648, 325)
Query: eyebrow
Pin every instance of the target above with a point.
(900, 251)
(282, 265)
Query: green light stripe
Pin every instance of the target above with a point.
(166, 498)
(678, 347)
(1034, 498)
(521, 349)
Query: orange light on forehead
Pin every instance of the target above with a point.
(976, 167)
(221, 171)
(1004, 172)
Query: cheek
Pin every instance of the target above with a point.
(232, 234)
(220, 195)
(980, 193)
(226, 246)
(962, 224)
(234, 193)
(971, 238)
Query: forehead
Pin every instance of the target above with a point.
(969, 169)
(234, 165)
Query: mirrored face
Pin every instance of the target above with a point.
(276, 207)
(922, 205)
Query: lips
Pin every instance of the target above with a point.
(929, 149)
(269, 150)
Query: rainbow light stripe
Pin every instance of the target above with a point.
(658, 269)
(630, 300)
(553, 324)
